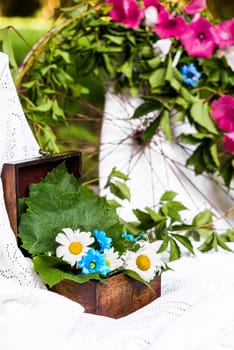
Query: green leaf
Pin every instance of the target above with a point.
(146, 108)
(214, 154)
(203, 218)
(52, 208)
(126, 68)
(53, 270)
(119, 174)
(189, 98)
(151, 130)
(165, 124)
(44, 107)
(174, 250)
(204, 232)
(146, 221)
(222, 244)
(184, 241)
(200, 114)
(136, 277)
(208, 244)
(120, 190)
(63, 54)
(118, 40)
(157, 78)
(172, 209)
(195, 138)
(155, 216)
(168, 196)
(113, 203)
(153, 63)
(196, 159)
(164, 245)
(228, 235)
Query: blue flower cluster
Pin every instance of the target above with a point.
(95, 260)
(132, 238)
(190, 74)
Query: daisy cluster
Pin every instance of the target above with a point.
(94, 253)
(196, 34)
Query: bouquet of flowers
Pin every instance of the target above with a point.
(186, 74)
(177, 58)
(72, 233)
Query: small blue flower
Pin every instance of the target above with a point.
(141, 236)
(94, 261)
(103, 240)
(190, 74)
(129, 237)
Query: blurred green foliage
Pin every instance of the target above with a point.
(24, 33)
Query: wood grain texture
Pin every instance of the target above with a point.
(118, 297)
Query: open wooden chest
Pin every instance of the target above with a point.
(120, 295)
(17, 176)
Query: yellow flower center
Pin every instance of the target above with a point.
(92, 265)
(143, 262)
(75, 248)
(108, 262)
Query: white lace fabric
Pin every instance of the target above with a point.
(195, 311)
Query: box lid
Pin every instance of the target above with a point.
(17, 176)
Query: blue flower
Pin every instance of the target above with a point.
(94, 261)
(190, 74)
(129, 237)
(103, 240)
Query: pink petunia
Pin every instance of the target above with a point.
(169, 25)
(222, 111)
(195, 6)
(126, 12)
(198, 38)
(155, 3)
(229, 142)
(225, 33)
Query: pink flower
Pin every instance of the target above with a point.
(126, 12)
(195, 6)
(154, 3)
(222, 111)
(169, 25)
(198, 38)
(225, 33)
(229, 142)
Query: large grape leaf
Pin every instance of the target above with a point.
(53, 270)
(60, 201)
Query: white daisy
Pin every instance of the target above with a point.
(112, 258)
(74, 244)
(145, 262)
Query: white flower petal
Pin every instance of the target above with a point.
(228, 53)
(151, 16)
(67, 238)
(62, 239)
(131, 262)
(114, 261)
(61, 251)
(69, 233)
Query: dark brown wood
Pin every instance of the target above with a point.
(17, 176)
(118, 297)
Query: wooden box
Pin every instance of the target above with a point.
(120, 295)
